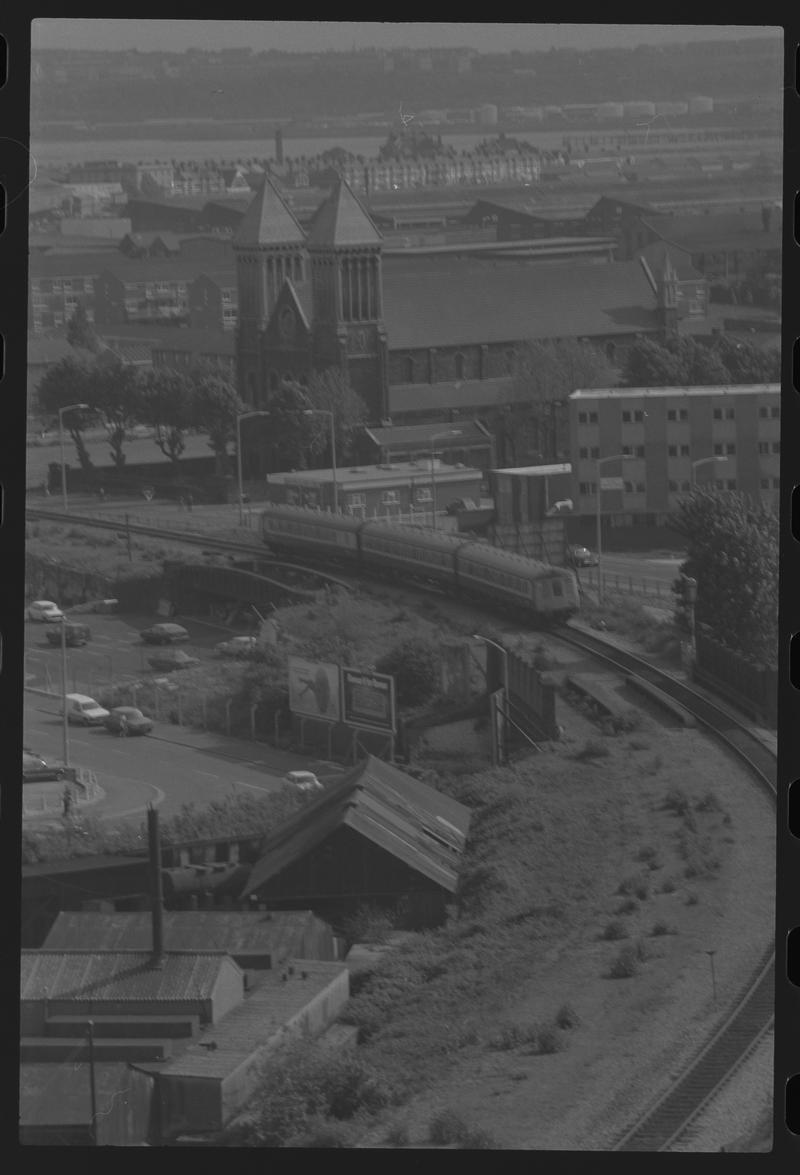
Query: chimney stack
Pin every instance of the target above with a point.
(156, 890)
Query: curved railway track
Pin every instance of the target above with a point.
(675, 1112)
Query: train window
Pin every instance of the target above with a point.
(558, 587)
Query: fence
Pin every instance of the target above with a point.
(753, 688)
(634, 585)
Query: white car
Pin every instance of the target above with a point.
(237, 646)
(303, 780)
(85, 711)
(44, 610)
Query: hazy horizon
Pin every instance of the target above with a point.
(318, 36)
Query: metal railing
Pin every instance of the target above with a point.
(634, 585)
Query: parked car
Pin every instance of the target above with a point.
(36, 769)
(303, 780)
(44, 610)
(130, 719)
(237, 646)
(74, 634)
(85, 711)
(459, 505)
(164, 634)
(582, 557)
(172, 659)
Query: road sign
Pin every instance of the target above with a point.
(611, 483)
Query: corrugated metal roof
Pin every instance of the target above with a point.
(452, 306)
(409, 819)
(702, 390)
(119, 975)
(235, 932)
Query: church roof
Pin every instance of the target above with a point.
(342, 220)
(269, 220)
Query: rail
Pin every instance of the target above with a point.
(674, 1112)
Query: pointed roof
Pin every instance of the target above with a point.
(268, 220)
(342, 220)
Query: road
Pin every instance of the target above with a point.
(169, 768)
(140, 449)
(640, 565)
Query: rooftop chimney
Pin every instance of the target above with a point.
(156, 890)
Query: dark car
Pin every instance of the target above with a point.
(164, 634)
(172, 659)
(128, 720)
(35, 769)
(74, 634)
(582, 557)
(460, 505)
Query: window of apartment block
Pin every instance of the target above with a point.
(594, 453)
(730, 413)
(672, 450)
(389, 497)
(423, 495)
(627, 451)
(775, 413)
(592, 418)
(683, 414)
(732, 483)
(730, 450)
(57, 287)
(356, 499)
(776, 483)
(718, 414)
(626, 417)
(584, 488)
(640, 487)
(638, 417)
(776, 446)
(627, 487)
(684, 450)
(719, 483)
(582, 418)
(583, 453)
(685, 487)
(672, 414)
(719, 450)
(765, 483)
(672, 486)
(763, 447)
(763, 413)
(640, 450)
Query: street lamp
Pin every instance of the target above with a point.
(487, 640)
(61, 411)
(437, 436)
(600, 462)
(704, 461)
(242, 416)
(64, 716)
(327, 412)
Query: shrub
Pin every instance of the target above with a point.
(479, 1139)
(567, 1017)
(511, 1036)
(625, 965)
(414, 663)
(629, 885)
(668, 885)
(646, 853)
(708, 803)
(642, 891)
(447, 1127)
(661, 928)
(692, 898)
(319, 1132)
(397, 1134)
(548, 1041)
(625, 723)
(592, 749)
(368, 924)
(676, 801)
(613, 931)
(629, 906)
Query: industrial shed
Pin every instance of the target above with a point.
(379, 837)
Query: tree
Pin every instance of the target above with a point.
(331, 391)
(70, 381)
(118, 397)
(685, 362)
(534, 416)
(216, 406)
(80, 332)
(414, 664)
(732, 548)
(168, 405)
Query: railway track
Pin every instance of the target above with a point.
(668, 1119)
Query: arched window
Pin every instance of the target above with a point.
(458, 363)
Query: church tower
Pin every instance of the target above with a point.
(348, 332)
(270, 249)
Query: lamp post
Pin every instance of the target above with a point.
(242, 416)
(437, 436)
(327, 412)
(487, 640)
(600, 462)
(64, 716)
(704, 461)
(61, 411)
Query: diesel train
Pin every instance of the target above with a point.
(455, 563)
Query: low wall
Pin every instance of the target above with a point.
(190, 475)
(47, 580)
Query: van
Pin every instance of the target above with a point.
(74, 634)
(84, 710)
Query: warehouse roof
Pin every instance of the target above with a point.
(414, 822)
(119, 975)
(718, 230)
(453, 304)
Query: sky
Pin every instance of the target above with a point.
(317, 36)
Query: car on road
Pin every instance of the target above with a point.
(35, 769)
(237, 646)
(303, 780)
(74, 634)
(171, 659)
(85, 711)
(460, 505)
(128, 720)
(44, 610)
(582, 557)
(164, 634)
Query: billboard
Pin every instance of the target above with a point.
(368, 700)
(314, 689)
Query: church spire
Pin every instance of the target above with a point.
(342, 221)
(268, 221)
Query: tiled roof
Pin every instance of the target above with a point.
(452, 305)
(119, 975)
(277, 933)
(342, 220)
(412, 821)
(268, 220)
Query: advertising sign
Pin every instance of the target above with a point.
(368, 700)
(314, 689)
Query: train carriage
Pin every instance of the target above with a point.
(538, 588)
(423, 554)
(299, 530)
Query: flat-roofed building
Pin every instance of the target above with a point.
(669, 438)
